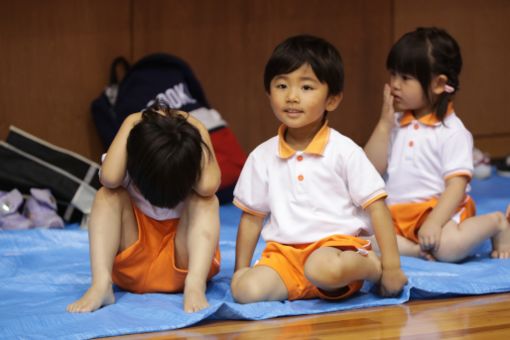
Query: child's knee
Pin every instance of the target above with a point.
(451, 251)
(119, 194)
(208, 202)
(246, 291)
(324, 270)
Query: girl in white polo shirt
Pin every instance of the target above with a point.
(425, 153)
(310, 192)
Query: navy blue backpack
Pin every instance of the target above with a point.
(170, 79)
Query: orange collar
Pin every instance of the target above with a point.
(316, 146)
(429, 119)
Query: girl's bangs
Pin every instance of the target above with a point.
(410, 58)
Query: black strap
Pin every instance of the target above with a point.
(114, 79)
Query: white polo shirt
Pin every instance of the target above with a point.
(424, 153)
(311, 194)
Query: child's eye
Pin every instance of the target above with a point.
(407, 77)
(307, 87)
(281, 86)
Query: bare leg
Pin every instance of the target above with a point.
(112, 227)
(261, 283)
(458, 240)
(407, 247)
(196, 242)
(331, 269)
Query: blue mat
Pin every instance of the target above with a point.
(41, 271)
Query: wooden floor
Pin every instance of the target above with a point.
(478, 317)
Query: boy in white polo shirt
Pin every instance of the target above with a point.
(308, 191)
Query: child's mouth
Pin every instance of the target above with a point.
(293, 112)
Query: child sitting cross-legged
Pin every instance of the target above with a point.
(310, 192)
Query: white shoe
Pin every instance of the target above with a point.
(482, 164)
(503, 167)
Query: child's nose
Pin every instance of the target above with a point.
(394, 83)
(292, 96)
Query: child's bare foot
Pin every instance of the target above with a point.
(501, 241)
(94, 298)
(194, 298)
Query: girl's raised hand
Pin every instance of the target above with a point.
(388, 110)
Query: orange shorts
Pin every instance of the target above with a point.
(408, 217)
(289, 262)
(148, 265)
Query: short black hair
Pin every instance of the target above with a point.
(424, 53)
(164, 154)
(299, 50)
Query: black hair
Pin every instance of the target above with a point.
(164, 154)
(296, 51)
(425, 53)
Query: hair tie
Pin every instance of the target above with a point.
(448, 88)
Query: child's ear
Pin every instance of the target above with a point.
(438, 84)
(333, 101)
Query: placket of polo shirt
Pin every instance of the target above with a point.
(300, 178)
(412, 134)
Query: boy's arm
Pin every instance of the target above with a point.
(248, 235)
(393, 278)
(210, 177)
(377, 146)
(113, 169)
(430, 231)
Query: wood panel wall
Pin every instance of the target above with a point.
(227, 43)
(54, 59)
(482, 29)
(56, 56)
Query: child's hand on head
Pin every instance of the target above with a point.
(508, 213)
(388, 110)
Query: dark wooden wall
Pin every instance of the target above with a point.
(55, 57)
(482, 29)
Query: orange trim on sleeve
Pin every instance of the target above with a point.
(373, 199)
(244, 208)
(464, 173)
